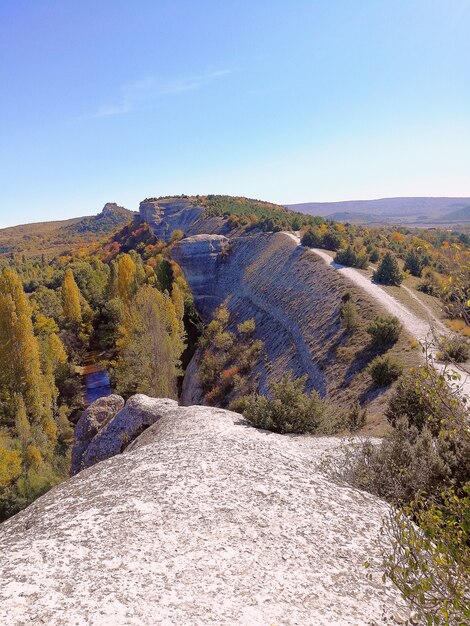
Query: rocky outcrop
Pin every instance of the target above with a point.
(295, 300)
(169, 214)
(107, 427)
(94, 419)
(202, 520)
(202, 257)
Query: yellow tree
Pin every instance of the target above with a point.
(126, 278)
(150, 346)
(71, 300)
(21, 371)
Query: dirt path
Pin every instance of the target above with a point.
(422, 329)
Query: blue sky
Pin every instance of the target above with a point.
(288, 101)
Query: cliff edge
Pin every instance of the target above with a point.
(201, 520)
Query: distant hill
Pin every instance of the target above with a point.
(461, 215)
(55, 237)
(386, 210)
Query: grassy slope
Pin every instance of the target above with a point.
(52, 238)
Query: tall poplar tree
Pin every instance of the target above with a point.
(21, 370)
(126, 278)
(71, 300)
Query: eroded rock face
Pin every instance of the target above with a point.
(93, 419)
(165, 216)
(202, 520)
(107, 427)
(202, 256)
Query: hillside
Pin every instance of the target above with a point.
(391, 210)
(52, 238)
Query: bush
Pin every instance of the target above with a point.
(374, 255)
(423, 468)
(312, 238)
(424, 398)
(385, 330)
(289, 410)
(454, 349)
(430, 561)
(352, 258)
(356, 418)
(349, 315)
(388, 272)
(332, 240)
(384, 370)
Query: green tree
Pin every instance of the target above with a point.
(388, 272)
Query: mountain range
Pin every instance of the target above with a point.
(413, 211)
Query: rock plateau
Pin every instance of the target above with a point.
(201, 520)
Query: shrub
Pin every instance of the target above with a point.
(385, 330)
(356, 418)
(429, 561)
(415, 263)
(332, 240)
(424, 469)
(424, 398)
(247, 327)
(384, 370)
(289, 410)
(352, 258)
(374, 255)
(454, 348)
(312, 238)
(388, 272)
(349, 315)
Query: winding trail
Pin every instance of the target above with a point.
(423, 330)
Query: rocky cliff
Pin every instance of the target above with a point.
(295, 300)
(292, 295)
(202, 520)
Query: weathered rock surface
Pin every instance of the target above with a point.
(106, 428)
(202, 257)
(165, 216)
(93, 419)
(202, 520)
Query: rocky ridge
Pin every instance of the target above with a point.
(201, 520)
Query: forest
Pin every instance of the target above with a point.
(121, 299)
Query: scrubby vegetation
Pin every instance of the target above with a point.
(454, 349)
(423, 468)
(250, 213)
(348, 313)
(229, 356)
(352, 258)
(384, 330)
(288, 409)
(384, 370)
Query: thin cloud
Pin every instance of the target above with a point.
(134, 95)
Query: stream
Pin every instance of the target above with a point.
(95, 379)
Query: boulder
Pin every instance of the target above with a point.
(203, 520)
(139, 413)
(93, 419)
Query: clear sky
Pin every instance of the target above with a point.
(288, 101)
